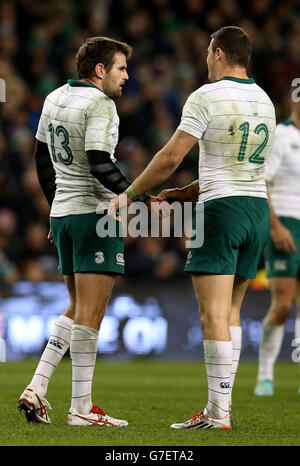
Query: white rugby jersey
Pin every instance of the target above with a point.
(78, 117)
(234, 120)
(283, 170)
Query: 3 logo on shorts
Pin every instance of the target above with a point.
(99, 257)
(120, 259)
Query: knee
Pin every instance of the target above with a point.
(92, 307)
(213, 320)
(280, 308)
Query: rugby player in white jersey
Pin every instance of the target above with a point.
(233, 121)
(74, 158)
(282, 252)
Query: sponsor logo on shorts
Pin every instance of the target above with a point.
(189, 256)
(280, 265)
(120, 259)
(99, 257)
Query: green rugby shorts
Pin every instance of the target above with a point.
(283, 264)
(80, 249)
(235, 233)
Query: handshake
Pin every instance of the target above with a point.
(187, 193)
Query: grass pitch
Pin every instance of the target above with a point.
(151, 395)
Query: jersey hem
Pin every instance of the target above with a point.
(203, 199)
(67, 213)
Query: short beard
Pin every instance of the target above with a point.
(112, 94)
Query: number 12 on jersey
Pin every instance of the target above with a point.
(255, 156)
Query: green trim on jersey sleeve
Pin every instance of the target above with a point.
(237, 80)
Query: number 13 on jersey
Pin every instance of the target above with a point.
(67, 158)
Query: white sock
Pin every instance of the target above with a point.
(270, 345)
(83, 351)
(55, 349)
(297, 334)
(236, 338)
(218, 361)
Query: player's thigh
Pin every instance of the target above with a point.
(93, 291)
(213, 293)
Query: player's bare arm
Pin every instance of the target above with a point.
(187, 193)
(45, 173)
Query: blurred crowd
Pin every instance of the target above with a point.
(38, 43)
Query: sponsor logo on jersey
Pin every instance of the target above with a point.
(99, 257)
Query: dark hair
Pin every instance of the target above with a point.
(99, 50)
(235, 43)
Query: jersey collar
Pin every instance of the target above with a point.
(288, 121)
(77, 83)
(238, 80)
